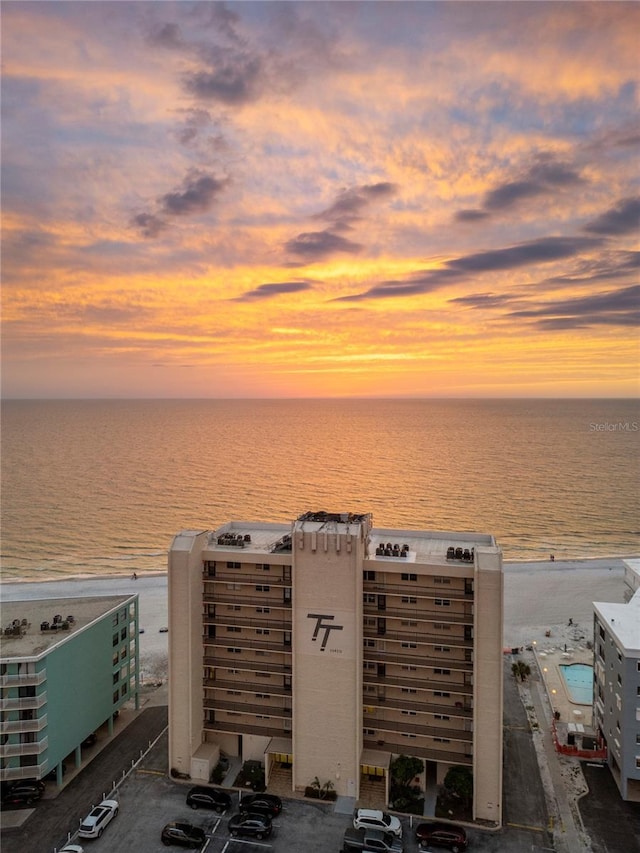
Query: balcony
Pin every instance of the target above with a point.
(24, 703)
(238, 576)
(31, 771)
(264, 599)
(392, 680)
(416, 589)
(20, 726)
(29, 679)
(243, 664)
(406, 635)
(270, 729)
(370, 721)
(246, 708)
(35, 748)
(413, 703)
(236, 641)
(409, 746)
(443, 615)
(246, 687)
(256, 620)
(418, 658)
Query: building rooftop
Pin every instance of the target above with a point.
(30, 614)
(623, 622)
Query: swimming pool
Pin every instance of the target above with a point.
(578, 678)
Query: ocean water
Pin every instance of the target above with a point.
(100, 487)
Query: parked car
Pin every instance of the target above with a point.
(446, 835)
(72, 848)
(98, 818)
(375, 819)
(371, 841)
(183, 835)
(252, 825)
(208, 798)
(267, 804)
(22, 794)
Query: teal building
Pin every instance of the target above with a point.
(67, 666)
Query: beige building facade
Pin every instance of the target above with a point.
(328, 647)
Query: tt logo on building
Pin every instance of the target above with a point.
(321, 624)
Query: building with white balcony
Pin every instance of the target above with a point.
(616, 708)
(328, 647)
(66, 667)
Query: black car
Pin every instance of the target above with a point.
(183, 835)
(447, 835)
(253, 825)
(208, 798)
(21, 794)
(267, 804)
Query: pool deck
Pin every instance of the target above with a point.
(550, 657)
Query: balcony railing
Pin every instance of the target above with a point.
(418, 658)
(443, 615)
(241, 707)
(266, 599)
(24, 703)
(414, 703)
(31, 771)
(370, 721)
(256, 620)
(407, 635)
(238, 576)
(24, 725)
(237, 641)
(29, 679)
(240, 663)
(410, 746)
(413, 588)
(392, 680)
(247, 687)
(35, 748)
(271, 729)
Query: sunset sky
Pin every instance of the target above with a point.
(320, 199)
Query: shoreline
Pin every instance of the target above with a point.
(593, 563)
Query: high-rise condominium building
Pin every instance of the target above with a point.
(329, 646)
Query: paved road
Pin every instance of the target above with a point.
(53, 819)
(613, 825)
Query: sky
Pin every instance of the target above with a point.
(370, 199)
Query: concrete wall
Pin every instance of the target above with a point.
(327, 657)
(185, 649)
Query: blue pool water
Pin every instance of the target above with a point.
(578, 678)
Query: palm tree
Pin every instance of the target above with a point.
(520, 670)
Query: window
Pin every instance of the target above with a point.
(409, 690)
(369, 576)
(369, 664)
(441, 717)
(443, 602)
(406, 734)
(406, 576)
(116, 677)
(115, 640)
(441, 626)
(124, 689)
(234, 693)
(409, 645)
(123, 634)
(262, 588)
(233, 650)
(442, 693)
(233, 565)
(409, 713)
(441, 580)
(369, 598)
(369, 731)
(370, 644)
(234, 628)
(233, 606)
(114, 659)
(441, 740)
(263, 610)
(261, 695)
(263, 631)
(234, 586)
(409, 623)
(442, 648)
(409, 668)
(409, 599)
(115, 620)
(439, 671)
(116, 696)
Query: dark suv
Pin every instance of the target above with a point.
(267, 804)
(447, 835)
(253, 825)
(208, 798)
(22, 793)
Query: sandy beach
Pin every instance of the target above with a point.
(538, 597)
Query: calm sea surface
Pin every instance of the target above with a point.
(100, 487)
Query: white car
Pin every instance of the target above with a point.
(100, 816)
(72, 848)
(374, 819)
